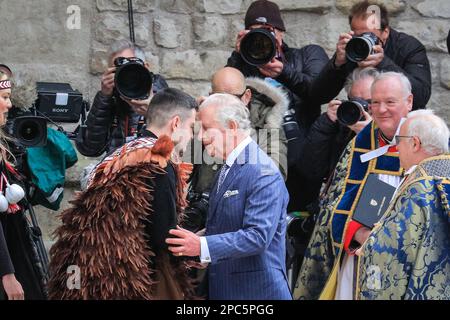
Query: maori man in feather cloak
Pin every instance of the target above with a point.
(114, 233)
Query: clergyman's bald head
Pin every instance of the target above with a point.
(228, 80)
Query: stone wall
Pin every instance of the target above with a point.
(186, 40)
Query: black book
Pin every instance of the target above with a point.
(374, 201)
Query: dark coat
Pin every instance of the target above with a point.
(18, 252)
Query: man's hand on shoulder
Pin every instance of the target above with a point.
(187, 243)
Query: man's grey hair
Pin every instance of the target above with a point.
(360, 74)
(123, 44)
(432, 131)
(406, 84)
(229, 108)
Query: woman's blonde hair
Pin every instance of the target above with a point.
(4, 150)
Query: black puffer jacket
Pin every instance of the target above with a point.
(107, 122)
(301, 66)
(402, 53)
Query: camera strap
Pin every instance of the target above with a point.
(5, 84)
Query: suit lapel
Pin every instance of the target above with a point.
(231, 176)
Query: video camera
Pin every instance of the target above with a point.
(56, 102)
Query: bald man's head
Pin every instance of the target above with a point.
(228, 80)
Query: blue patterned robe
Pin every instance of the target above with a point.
(326, 245)
(407, 253)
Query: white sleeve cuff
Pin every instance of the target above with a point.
(204, 251)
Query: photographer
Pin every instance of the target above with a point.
(393, 51)
(21, 272)
(294, 69)
(114, 120)
(329, 135)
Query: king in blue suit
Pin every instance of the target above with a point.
(244, 242)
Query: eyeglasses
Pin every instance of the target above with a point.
(397, 138)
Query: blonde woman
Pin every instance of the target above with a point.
(20, 273)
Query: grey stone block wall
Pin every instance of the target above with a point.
(186, 40)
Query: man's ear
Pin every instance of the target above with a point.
(410, 101)
(175, 123)
(247, 97)
(416, 144)
(233, 125)
(385, 34)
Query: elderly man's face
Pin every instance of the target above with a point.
(361, 89)
(405, 147)
(389, 105)
(216, 139)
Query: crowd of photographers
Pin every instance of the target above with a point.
(283, 89)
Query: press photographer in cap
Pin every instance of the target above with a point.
(261, 52)
(117, 113)
(372, 42)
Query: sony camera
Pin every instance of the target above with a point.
(360, 47)
(351, 111)
(56, 102)
(259, 47)
(132, 79)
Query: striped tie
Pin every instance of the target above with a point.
(222, 176)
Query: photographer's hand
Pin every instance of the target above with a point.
(139, 106)
(341, 57)
(108, 82)
(239, 38)
(357, 127)
(374, 59)
(272, 69)
(332, 109)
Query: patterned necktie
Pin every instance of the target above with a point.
(222, 176)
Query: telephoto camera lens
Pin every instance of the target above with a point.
(351, 111)
(359, 48)
(258, 47)
(132, 79)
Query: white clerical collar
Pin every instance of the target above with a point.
(382, 150)
(237, 151)
(410, 170)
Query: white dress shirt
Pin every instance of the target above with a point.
(231, 159)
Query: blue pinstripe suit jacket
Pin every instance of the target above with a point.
(246, 229)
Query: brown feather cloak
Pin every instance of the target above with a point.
(103, 233)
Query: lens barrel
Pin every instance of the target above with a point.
(132, 79)
(258, 47)
(359, 48)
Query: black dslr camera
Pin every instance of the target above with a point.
(259, 47)
(351, 111)
(132, 79)
(359, 48)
